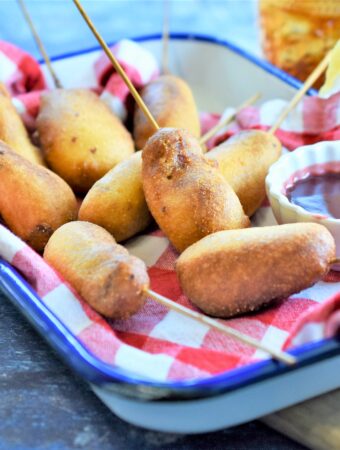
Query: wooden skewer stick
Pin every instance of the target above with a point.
(319, 69)
(117, 66)
(222, 123)
(39, 43)
(277, 354)
(336, 261)
(165, 38)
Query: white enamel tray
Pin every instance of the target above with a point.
(220, 75)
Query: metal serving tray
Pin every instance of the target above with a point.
(227, 77)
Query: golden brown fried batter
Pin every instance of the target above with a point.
(237, 271)
(13, 131)
(244, 161)
(171, 103)
(101, 271)
(81, 138)
(116, 202)
(33, 200)
(185, 192)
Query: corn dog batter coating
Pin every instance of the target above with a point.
(81, 138)
(171, 103)
(33, 200)
(185, 192)
(244, 161)
(116, 202)
(13, 131)
(101, 271)
(233, 272)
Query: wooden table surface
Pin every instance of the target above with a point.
(45, 406)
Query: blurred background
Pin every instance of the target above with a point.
(295, 34)
(62, 29)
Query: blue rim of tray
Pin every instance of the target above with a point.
(265, 65)
(91, 368)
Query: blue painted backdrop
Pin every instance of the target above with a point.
(62, 29)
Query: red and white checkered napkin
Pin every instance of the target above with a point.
(315, 119)
(161, 344)
(25, 81)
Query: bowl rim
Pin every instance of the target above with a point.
(275, 182)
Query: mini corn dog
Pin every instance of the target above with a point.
(171, 103)
(186, 194)
(244, 161)
(33, 200)
(234, 272)
(101, 271)
(117, 202)
(81, 138)
(13, 131)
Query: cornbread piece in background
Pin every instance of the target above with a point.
(296, 35)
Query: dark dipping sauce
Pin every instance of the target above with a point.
(316, 189)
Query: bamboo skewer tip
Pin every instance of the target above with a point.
(316, 73)
(279, 355)
(117, 66)
(224, 121)
(39, 44)
(165, 37)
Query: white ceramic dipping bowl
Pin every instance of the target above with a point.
(291, 167)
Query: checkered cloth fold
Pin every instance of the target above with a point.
(156, 343)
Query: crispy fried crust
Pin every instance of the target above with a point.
(101, 271)
(244, 161)
(13, 131)
(186, 194)
(171, 103)
(116, 202)
(33, 200)
(233, 272)
(81, 138)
